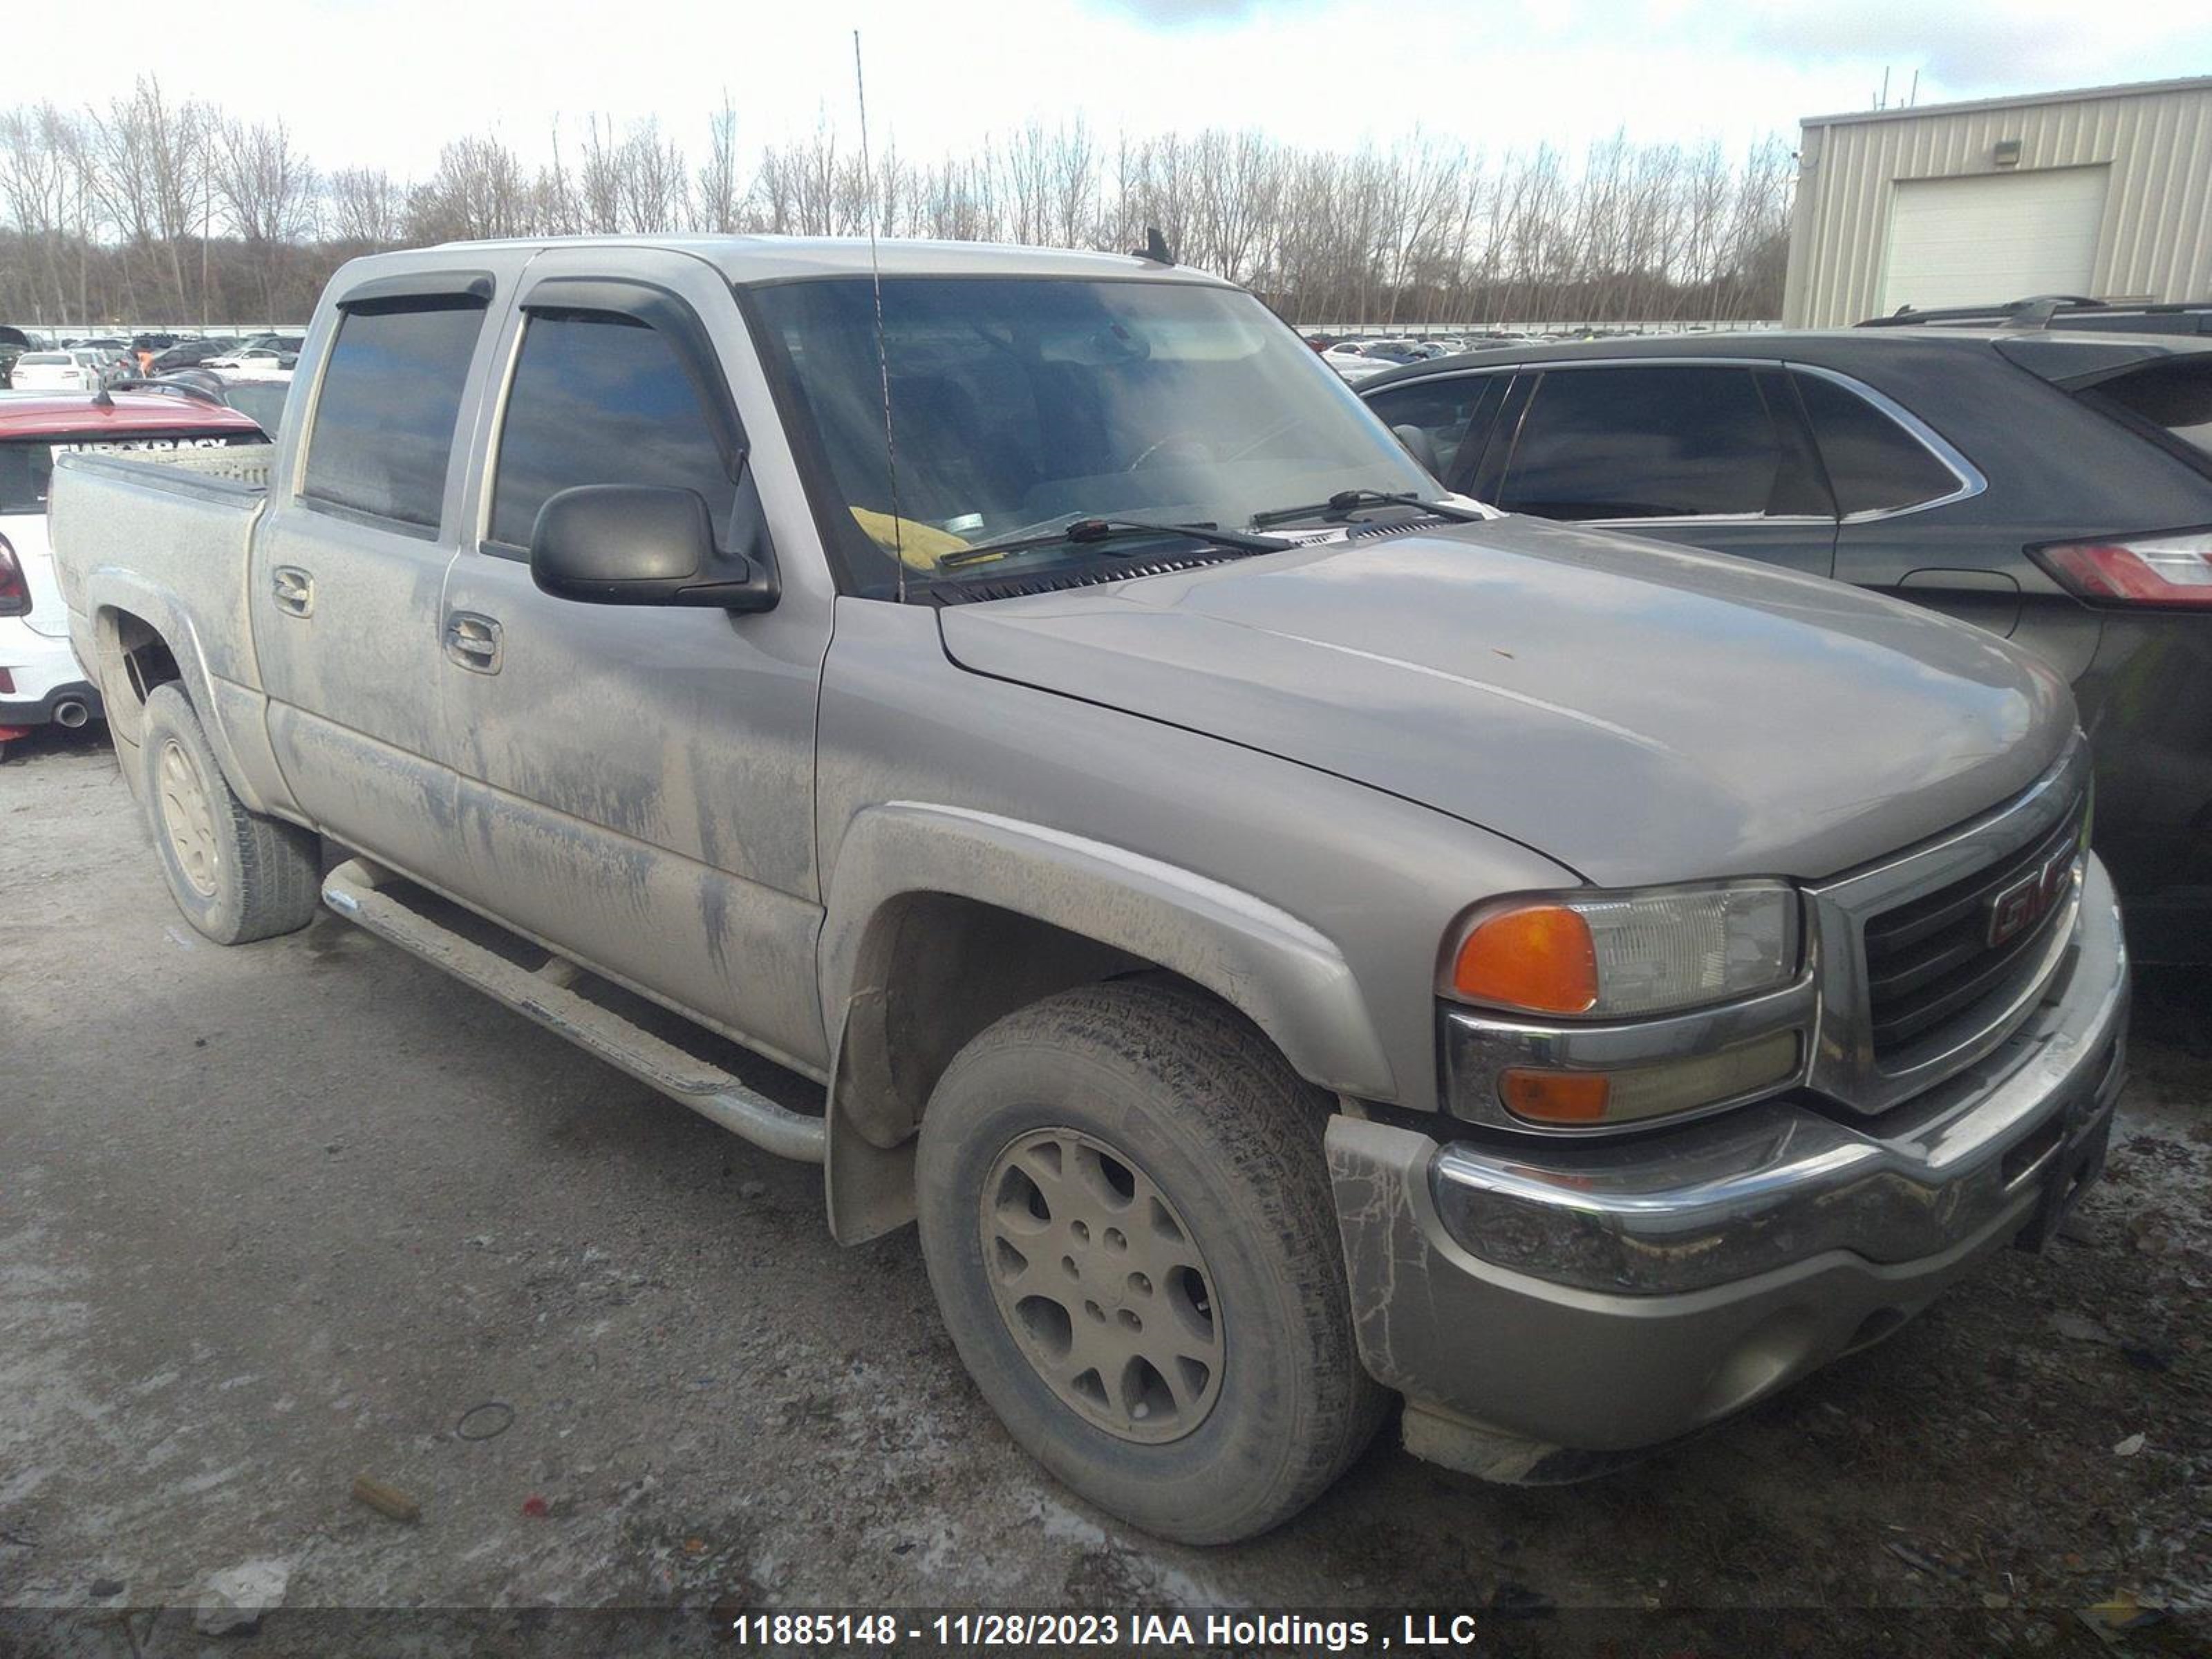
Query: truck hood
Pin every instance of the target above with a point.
(1636, 711)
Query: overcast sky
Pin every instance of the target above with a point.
(384, 83)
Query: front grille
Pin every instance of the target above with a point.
(1929, 962)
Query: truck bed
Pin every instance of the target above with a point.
(167, 531)
(231, 469)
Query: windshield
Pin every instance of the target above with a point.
(1019, 405)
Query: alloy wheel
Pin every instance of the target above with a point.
(1102, 1285)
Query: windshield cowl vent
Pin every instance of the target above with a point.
(1360, 532)
(967, 593)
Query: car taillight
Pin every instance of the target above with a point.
(2170, 569)
(15, 593)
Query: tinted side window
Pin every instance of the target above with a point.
(1443, 412)
(1644, 443)
(599, 399)
(1874, 464)
(383, 422)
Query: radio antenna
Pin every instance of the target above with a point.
(883, 357)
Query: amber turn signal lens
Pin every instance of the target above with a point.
(1556, 1096)
(1539, 956)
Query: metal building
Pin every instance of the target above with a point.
(2106, 191)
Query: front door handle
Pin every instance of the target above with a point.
(472, 642)
(295, 590)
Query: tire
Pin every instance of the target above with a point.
(1194, 1107)
(236, 875)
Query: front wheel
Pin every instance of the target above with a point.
(1128, 1222)
(236, 875)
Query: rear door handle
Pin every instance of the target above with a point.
(472, 642)
(295, 590)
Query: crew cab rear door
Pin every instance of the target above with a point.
(349, 561)
(636, 782)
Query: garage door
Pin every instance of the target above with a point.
(1998, 236)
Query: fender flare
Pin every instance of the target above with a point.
(1281, 973)
(109, 587)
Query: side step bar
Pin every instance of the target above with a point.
(352, 889)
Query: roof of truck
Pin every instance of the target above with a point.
(50, 415)
(772, 258)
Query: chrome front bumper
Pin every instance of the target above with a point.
(1610, 1296)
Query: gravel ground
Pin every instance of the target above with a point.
(275, 1217)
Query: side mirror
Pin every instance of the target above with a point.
(640, 544)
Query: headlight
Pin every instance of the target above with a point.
(1615, 956)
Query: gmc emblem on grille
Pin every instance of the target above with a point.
(2027, 900)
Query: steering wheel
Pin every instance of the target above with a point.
(1194, 446)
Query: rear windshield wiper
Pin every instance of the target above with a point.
(1350, 500)
(1087, 532)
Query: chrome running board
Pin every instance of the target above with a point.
(355, 890)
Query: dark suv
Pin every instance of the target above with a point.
(2052, 486)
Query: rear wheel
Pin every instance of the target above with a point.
(1128, 1222)
(236, 875)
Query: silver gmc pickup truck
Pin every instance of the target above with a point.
(1289, 936)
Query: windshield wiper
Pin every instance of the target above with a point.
(1087, 532)
(1350, 500)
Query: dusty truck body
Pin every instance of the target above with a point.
(1288, 936)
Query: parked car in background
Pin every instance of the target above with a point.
(14, 343)
(261, 396)
(1395, 351)
(113, 357)
(1351, 359)
(186, 353)
(40, 681)
(106, 365)
(264, 360)
(57, 371)
(144, 347)
(2053, 487)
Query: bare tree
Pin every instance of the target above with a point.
(364, 207)
(113, 212)
(268, 192)
(36, 177)
(652, 184)
(718, 192)
(149, 160)
(479, 190)
(554, 207)
(598, 179)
